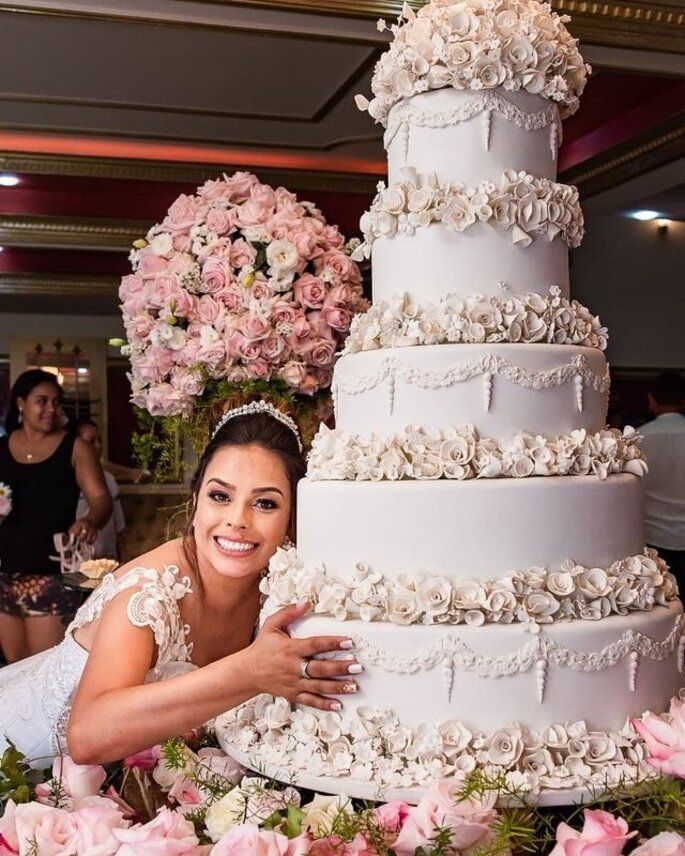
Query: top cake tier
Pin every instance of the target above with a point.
(477, 45)
(471, 137)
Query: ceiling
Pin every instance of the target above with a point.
(109, 110)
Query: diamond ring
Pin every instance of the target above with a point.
(304, 665)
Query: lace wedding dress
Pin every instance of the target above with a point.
(36, 694)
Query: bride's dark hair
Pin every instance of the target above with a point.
(254, 429)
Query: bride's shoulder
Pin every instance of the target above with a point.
(166, 556)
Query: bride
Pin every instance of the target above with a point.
(168, 641)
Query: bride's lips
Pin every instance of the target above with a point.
(235, 548)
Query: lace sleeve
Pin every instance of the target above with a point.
(153, 603)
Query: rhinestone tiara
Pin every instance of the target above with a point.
(259, 407)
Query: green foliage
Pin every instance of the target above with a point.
(162, 443)
(292, 823)
(17, 779)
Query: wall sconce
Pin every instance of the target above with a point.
(662, 227)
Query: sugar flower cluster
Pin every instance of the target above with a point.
(375, 746)
(477, 319)
(532, 597)
(238, 282)
(520, 45)
(460, 453)
(519, 202)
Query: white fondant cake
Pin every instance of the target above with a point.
(469, 522)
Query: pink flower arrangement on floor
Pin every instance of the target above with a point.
(240, 282)
(72, 817)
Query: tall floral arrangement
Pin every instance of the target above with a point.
(241, 288)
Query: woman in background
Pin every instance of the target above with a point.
(46, 468)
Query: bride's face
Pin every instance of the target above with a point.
(243, 511)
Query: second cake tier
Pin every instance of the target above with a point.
(500, 389)
(475, 529)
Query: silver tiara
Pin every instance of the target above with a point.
(259, 407)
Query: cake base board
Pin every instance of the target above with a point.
(369, 791)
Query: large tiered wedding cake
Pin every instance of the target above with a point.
(470, 522)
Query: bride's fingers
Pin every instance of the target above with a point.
(322, 645)
(320, 703)
(333, 668)
(330, 687)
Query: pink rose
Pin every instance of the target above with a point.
(163, 400)
(309, 385)
(310, 291)
(51, 828)
(274, 347)
(243, 254)
(180, 265)
(602, 835)
(9, 841)
(254, 327)
(239, 186)
(391, 816)
(258, 208)
(182, 243)
(469, 821)
(307, 245)
(168, 834)
(210, 311)
(232, 297)
(258, 369)
(248, 840)
(94, 827)
(665, 739)
(221, 764)
(188, 381)
(664, 844)
(337, 318)
(151, 265)
(187, 356)
(219, 220)
(332, 845)
(337, 268)
(131, 286)
(181, 214)
(186, 793)
(293, 373)
(321, 353)
(283, 312)
(213, 355)
(139, 326)
(216, 275)
(213, 189)
(162, 290)
(73, 780)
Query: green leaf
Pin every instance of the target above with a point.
(292, 826)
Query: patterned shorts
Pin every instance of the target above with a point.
(28, 595)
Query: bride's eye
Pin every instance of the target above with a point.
(266, 504)
(219, 496)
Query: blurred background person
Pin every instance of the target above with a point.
(46, 468)
(664, 446)
(106, 545)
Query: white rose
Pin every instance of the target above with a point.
(277, 714)
(402, 606)
(561, 584)
(321, 812)
(162, 244)
(455, 737)
(433, 595)
(393, 200)
(518, 53)
(282, 256)
(468, 594)
(329, 726)
(458, 213)
(540, 606)
(223, 815)
(500, 600)
(489, 71)
(594, 583)
(601, 748)
(504, 747)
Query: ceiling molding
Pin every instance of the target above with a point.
(645, 24)
(661, 144)
(70, 233)
(181, 173)
(57, 285)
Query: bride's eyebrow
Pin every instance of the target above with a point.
(256, 490)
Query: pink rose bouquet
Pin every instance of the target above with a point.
(240, 283)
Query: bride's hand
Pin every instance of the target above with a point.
(276, 663)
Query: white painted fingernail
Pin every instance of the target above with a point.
(355, 669)
(335, 705)
(346, 644)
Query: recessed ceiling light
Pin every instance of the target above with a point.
(644, 215)
(8, 180)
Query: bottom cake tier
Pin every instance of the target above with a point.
(549, 710)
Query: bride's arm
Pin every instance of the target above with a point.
(116, 714)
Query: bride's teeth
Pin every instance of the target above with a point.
(234, 545)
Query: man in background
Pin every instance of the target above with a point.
(106, 546)
(664, 446)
